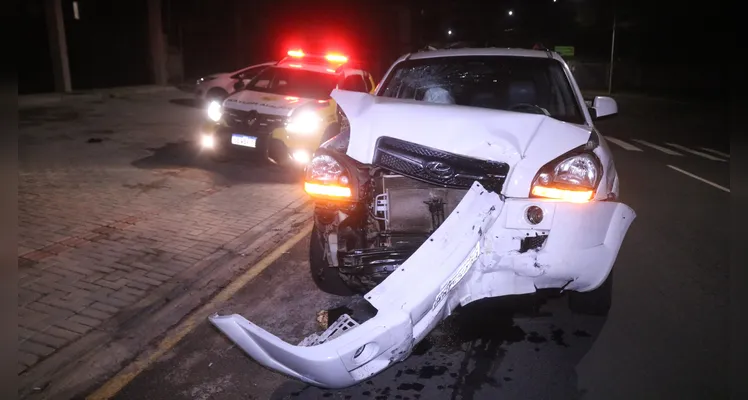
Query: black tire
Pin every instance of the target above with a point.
(219, 157)
(342, 119)
(278, 152)
(595, 302)
(331, 131)
(217, 94)
(326, 278)
(218, 154)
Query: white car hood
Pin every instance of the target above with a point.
(264, 103)
(475, 132)
(524, 141)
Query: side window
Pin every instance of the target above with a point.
(262, 84)
(354, 83)
(250, 73)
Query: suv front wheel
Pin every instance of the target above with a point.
(278, 153)
(325, 277)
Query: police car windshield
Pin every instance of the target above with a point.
(294, 82)
(522, 84)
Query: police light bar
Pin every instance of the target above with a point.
(336, 58)
(330, 57)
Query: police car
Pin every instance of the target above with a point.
(285, 112)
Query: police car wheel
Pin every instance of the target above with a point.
(331, 131)
(219, 155)
(216, 94)
(278, 153)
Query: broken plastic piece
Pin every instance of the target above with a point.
(339, 327)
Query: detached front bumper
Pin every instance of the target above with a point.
(472, 255)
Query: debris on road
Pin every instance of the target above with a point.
(343, 324)
(322, 319)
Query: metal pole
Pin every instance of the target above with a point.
(156, 43)
(612, 52)
(238, 42)
(58, 46)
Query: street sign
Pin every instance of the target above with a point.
(565, 51)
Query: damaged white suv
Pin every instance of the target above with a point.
(471, 173)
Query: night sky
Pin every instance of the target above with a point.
(108, 44)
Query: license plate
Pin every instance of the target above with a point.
(243, 140)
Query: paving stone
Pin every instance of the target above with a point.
(102, 225)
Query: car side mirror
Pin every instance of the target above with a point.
(239, 85)
(603, 106)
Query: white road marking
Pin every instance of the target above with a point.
(656, 147)
(698, 153)
(625, 145)
(717, 152)
(700, 179)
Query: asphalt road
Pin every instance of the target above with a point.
(666, 336)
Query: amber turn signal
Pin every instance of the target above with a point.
(316, 189)
(574, 196)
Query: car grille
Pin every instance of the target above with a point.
(532, 243)
(252, 121)
(438, 167)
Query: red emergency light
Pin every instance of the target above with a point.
(336, 58)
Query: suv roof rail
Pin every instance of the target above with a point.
(447, 45)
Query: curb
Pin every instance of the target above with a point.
(101, 353)
(34, 100)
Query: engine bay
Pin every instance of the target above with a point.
(402, 213)
(401, 199)
(410, 210)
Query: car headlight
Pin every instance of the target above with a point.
(214, 111)
(304, 122)
(207, 141)
(326, 177)
(572, 177)
(206, 79)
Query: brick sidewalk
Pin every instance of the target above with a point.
(114, 204)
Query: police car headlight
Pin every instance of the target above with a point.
(214, 111)
(305, 122)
